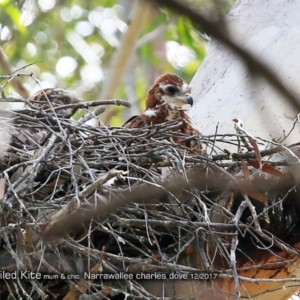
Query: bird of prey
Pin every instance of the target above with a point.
(167, 100)
(31, 127)
(51, 98)
(25, 134)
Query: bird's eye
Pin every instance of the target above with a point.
(66, 100)
(171, 89)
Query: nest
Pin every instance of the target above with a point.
(92, 212)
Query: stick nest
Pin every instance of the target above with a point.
(78, 201)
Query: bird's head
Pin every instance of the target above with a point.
(55, 97)
(169, 89)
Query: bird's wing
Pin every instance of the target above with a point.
(22, 133)
(135, 122)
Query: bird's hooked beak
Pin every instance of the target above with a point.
(179, 101)
(186, 99)
(189, 99)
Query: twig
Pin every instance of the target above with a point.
(18, 86)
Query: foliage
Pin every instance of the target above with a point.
(72, 42)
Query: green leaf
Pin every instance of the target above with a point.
(14, 13)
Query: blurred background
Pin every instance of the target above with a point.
(115, 49)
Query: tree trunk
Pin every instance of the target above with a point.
(224, 88)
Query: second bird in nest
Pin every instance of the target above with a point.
(51, 98)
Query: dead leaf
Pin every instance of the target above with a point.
(245, 169)
(256, 150)
(251, 191)
(268, 169)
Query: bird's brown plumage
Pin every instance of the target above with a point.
(47, 99)
(167, 100)
(155, 93)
